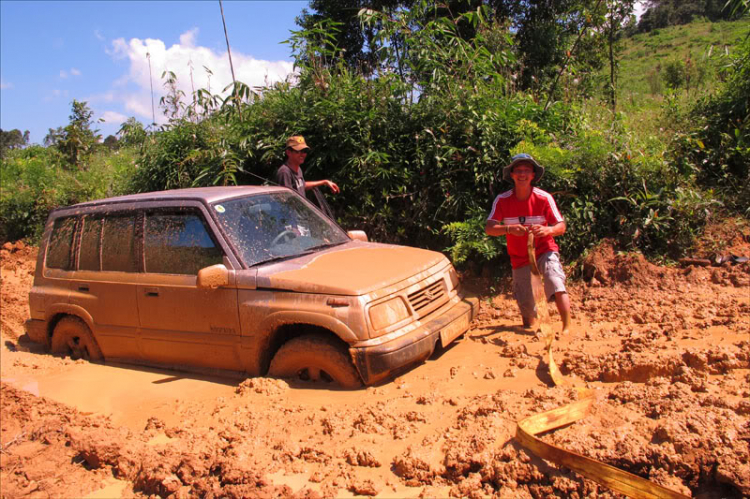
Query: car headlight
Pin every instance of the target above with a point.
(388, 313)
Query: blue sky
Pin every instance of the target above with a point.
(52, 52)
(95, 51)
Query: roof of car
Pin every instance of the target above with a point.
(205, 194)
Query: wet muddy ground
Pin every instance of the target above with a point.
(667, 351)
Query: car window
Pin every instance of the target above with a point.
(90, 254)
(60, 245)
(280, 224)
(118, 244)
(178, 243)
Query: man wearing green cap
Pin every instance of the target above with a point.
(290, 174)
(514, 214)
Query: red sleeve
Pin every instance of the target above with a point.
(551, 213)
(496, 213)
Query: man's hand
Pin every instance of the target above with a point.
(541, 230)
(546, 230)
(317, 183)
(517, 230)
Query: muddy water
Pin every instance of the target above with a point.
(131, 394)
(668, 356)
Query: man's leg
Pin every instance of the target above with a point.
(530, 322)
(563, 306)
(554, 285)
(524, 296)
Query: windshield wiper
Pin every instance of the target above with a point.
(326, 245)
(280, 258)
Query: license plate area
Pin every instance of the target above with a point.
(454, 330)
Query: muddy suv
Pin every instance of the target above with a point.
(247, 279)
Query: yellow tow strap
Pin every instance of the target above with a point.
(527, 429)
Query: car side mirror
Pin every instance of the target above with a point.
(358, 235)
(213, 277)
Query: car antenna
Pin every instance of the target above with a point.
(265, 180)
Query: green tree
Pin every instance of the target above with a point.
(132, 133)
(13, 139)
(547, 36)
(356, 42)
(77, 139)
(543, 31)
(663, 13)
(111, 143)
(619, 15)
(54, 136)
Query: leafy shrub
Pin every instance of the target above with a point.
(717, 144)
(674, 73)
(36, 180)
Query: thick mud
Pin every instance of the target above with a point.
(667, 351)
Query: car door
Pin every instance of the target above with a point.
(104, 284)
(181, 324)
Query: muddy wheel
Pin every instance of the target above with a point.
(73, 337)
(314, 358)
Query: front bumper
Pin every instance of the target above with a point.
(37, 331)
(375, 362)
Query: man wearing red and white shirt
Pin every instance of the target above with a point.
(514, 214)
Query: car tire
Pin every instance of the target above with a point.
(73, 337)
(314, 358)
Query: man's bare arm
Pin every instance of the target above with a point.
(317, 183)
(495, 228)
(549, 230)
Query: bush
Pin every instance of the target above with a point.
(36, 180)
(674, 73)
(717, 144)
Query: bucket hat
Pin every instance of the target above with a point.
(520, 158)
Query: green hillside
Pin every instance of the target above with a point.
(697, 47)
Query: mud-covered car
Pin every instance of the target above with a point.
(247, 279)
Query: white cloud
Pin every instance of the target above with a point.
(188, 38)
(56, 94)
(178, 59)
(98, 35)
(114, 118)
(73, 72)
(5, 85)
(105, 97)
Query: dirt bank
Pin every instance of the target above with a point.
(666, 349)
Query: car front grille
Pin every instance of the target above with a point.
(428, 298)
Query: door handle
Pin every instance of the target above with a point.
(152, 291)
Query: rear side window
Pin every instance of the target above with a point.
(178, 243)
(118, 248)
(91, 244)
(60, 248)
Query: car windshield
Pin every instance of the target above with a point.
(277, 225)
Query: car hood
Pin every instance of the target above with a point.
(353, 269)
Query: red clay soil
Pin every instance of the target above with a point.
(666, 349)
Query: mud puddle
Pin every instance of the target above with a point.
(668, 357)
